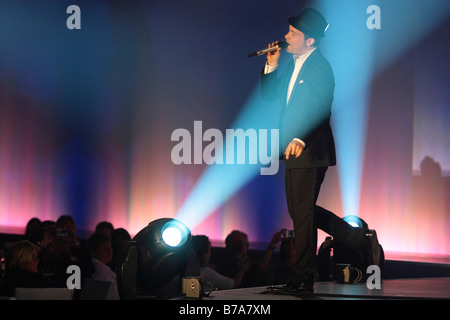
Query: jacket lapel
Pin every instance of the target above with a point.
(307, 63)
(286, 80)
(300, 75)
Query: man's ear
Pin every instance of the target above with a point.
(310, 42)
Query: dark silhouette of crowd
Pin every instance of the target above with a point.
(48, 248)
(263, 267)
(42, 257)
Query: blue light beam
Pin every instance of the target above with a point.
(357, 54)
(220, 181)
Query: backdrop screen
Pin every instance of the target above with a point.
(113, 110)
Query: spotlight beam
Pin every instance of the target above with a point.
(362, 54)
(220, 181)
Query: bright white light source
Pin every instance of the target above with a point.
(172, 236)
(354, 221)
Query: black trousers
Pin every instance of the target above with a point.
(302, 190)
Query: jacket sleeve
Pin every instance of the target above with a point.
(270, 85)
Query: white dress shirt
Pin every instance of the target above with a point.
(104, 273)
(299, 61)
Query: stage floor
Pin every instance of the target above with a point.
(405, 289)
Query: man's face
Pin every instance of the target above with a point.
(104, 252)
(238, 246)
(298, 45)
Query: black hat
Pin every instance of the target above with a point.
(310, 22)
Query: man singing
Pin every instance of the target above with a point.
(305, 90)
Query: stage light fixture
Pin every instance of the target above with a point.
(356, 222)
(174, 233)
(344, 258)
(171, 236)
(155, 261)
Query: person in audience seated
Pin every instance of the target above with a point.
(58, 248)
(22, 269)
(100, 254)
(119, 241)
(105, 227)
(238, 260)
(44, 238)
(32, 225)
(67, 228)
(279, 272)
(202, 247)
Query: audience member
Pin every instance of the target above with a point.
(105, 227)
(237, 245)
(68, 247)
(100, 254)
(67, 228)
(32, 225)
(202, 248)
(43, 236)
(119, 241)
(54, 252)
(278, 273)
(22, 269)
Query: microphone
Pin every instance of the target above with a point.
(281, 44)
